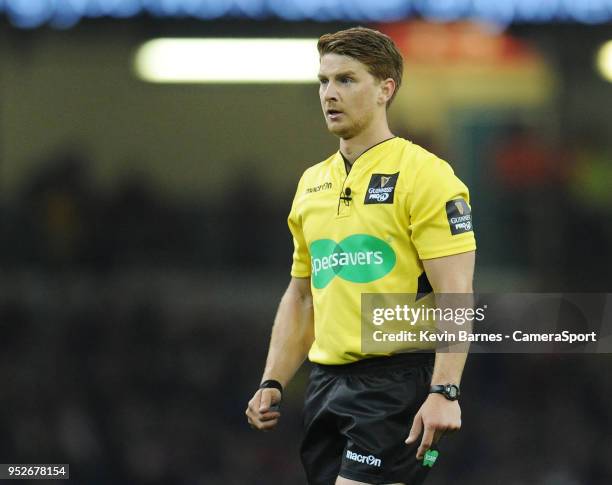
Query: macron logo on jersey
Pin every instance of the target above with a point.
(319, 188)
(368, 460)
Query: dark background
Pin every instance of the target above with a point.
(144, 249)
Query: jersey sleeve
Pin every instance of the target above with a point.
(300, 267)
(440, 212)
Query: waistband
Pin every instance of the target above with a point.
(395, 361)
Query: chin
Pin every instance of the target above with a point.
(341, 131)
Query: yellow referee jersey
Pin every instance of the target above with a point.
(368, 232)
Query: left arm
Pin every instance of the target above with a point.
(449, 274)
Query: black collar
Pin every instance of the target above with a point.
(348, 165)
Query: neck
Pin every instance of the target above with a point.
(352, 148)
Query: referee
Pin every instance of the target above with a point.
(381, 215)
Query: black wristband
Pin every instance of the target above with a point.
(271, 384)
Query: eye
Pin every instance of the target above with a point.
(346, 80)
(323, 81)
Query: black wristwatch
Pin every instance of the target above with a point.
(449, 391)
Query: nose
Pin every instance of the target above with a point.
(329, 92)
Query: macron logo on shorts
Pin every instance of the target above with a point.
(368, 460)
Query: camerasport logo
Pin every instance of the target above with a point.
(359, 258)
(459, 216)
(381, 188)
(367, 459)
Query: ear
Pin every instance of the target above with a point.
(387, 88)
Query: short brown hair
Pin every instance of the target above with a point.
(370, 47)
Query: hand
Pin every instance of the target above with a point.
(258, 410)
(436, 416)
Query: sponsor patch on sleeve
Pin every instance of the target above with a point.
(459, 216)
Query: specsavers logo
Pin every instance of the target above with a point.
(359, 258)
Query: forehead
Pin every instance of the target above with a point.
(332, 64)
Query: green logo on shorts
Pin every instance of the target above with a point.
(430, 458)
(358, 258)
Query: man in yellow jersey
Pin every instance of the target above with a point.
(381, 215)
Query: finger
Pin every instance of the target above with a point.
(266, 400)
(252, 422)
(269, 416)
(426, 442)
(264, 426)
(438, 435)
(268, 425)
(255, 423)
(254, 402)
(415, 431)
(251, 412)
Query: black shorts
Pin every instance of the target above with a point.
(357, 417)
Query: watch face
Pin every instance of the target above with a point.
(452, 392)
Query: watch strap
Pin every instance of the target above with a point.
(449, 391)
(271, 384)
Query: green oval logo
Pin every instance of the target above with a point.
(359, 258)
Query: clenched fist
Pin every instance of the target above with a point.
(261, 411)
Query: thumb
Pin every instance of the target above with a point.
(415, 431)
(266, 400)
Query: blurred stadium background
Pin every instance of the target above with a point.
(144, 246)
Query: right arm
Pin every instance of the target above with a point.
(292, 337)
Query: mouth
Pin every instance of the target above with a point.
(333, 114)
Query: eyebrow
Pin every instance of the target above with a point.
(340, 74)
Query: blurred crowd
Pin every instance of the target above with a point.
(147, 383)
(132, 382)
(62, 221)
(552, 204)
(134, 328)
(541, 206)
